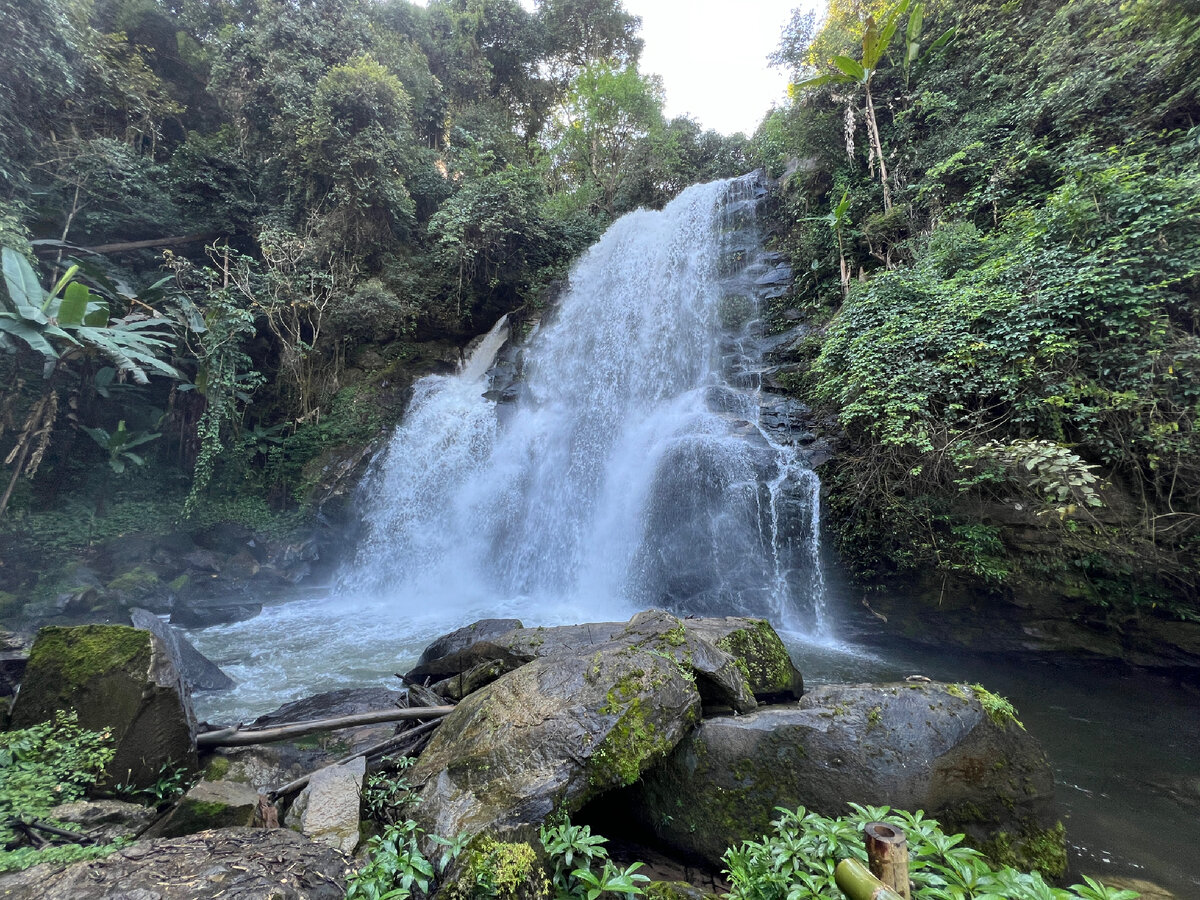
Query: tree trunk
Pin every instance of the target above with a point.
(877, 146)
(242, 738)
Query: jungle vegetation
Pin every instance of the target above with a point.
(994, 213)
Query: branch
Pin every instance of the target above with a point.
(242, 737)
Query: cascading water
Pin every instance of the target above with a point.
(632, 471)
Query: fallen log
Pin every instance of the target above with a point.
(395, 742)
(244, 737)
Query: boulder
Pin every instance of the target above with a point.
(141, 587)
(332, 704)
(210, 804)
(932, 747)
(327, 809)
(190, 614)
(472, 656)
(200, 672)
(231, 863)
(104, 820)
(556, 732)
(448, 655)
(759, 652)
(117, 679)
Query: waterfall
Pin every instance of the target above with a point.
(632, 470)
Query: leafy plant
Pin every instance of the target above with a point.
(40, 767)
(797, 861)
(397, 869)
(119, 444)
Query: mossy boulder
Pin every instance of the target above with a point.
(210, 804)
(117, 679)
(141, 587)
(911, 746)
(555, 733)
(759, 651)
(760, 667)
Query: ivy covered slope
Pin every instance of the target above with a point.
(1007, 307)
(235, 232)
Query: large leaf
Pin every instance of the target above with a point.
(851, 67)
(23, 287)
(97, 314)
(28, 334)
(912, 37)
(73, 308)
(794, 89)
(133, 347)
(889, 28)
(871, 44)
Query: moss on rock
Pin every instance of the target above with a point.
(500, 869)
(764, 660)
(1032, 848)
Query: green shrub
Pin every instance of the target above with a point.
(41, 767)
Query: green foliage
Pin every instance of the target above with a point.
(119, 445)
(797, 861)
(396, 870)
(41, 767)
(575, 854)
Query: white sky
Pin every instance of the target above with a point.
(712, 56)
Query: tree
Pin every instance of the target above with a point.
(608, 110)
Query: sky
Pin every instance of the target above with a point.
(712, 56)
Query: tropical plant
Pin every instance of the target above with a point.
(797, 862)
(876, 39)
(66, 323)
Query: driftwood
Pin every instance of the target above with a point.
(394, 743)
(27, 825)
(244, 737)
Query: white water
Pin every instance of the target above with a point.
(632, 472)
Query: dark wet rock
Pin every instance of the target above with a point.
(104, 820)
(200, 672)
(210, 804)
(232, 863)
(141, 587)
(204, 615)
(458, 686)
(455, 652)
(556, 732)
(117, 679)
(331, 704)
(911, 746)
(12, 670)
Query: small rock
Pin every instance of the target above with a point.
(210, 804)
(327, 810)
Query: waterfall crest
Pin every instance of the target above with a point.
(632, 471)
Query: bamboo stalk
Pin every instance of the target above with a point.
(244, 737)
(887, 852)
(857, 882)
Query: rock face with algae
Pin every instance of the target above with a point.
(932, 747)
(575, 711)
(119, 680)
